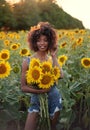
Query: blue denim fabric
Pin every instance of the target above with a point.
(54, 101)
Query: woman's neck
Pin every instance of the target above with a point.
(42, 56)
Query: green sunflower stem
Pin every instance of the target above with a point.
(44, 114)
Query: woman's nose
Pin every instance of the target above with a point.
(42, 42)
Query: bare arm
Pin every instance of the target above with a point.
(24, 86)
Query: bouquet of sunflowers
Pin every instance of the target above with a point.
(42, 75)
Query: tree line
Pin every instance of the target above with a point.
(27, 13)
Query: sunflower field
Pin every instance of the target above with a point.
(73, 56)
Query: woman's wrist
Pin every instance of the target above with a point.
(54, 59)
(53, 56)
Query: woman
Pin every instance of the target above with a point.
(42, 40)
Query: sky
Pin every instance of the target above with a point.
(76, 8)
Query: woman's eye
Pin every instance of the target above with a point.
(46, 40)
(38, 40)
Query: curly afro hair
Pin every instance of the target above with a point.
(42, 28)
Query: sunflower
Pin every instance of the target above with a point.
(47, 80)
(79, 41)
(5, 69)
(56, 73)
(85, 62)
(63, 45)
(46, 66)
(17, 36)
(5, 54)
(59, 36)
(35, 62)
(62, 59)
(10, 35)
(2, 35)
(14, 46)
(33, 75)
(6, 42)
(24, 52)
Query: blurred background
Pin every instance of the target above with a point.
(22, 14)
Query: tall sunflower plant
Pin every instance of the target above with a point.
(42, 75)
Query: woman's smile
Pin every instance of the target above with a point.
(42, 43)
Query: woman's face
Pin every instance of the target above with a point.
(42, 43)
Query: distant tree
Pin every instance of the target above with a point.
(51, 12)
(26, 14)
(6, 16)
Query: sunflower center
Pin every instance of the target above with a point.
(62, 59)
(2, 69)
(35, 74)
(36, 64)
(46, 68)
(46, 80)
(14, 47)
(4, 55)
(24, 51)
(87, 62)
(64, 44)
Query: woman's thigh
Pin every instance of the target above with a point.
(31, 121)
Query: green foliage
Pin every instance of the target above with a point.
(75, 87)
(13, 102)
(6, 16)
(27, 13)
(55, 15)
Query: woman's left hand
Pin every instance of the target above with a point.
(53, 52)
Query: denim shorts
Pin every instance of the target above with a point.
(54, 102)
